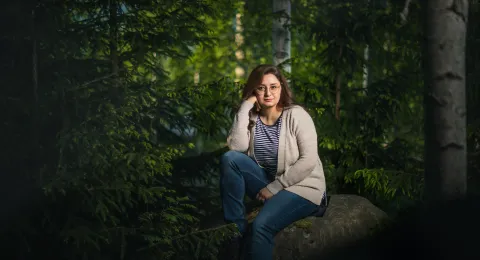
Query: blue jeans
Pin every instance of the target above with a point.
(241, 175)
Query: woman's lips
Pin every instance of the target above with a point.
(268, 100)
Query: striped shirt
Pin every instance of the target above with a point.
(266, 145)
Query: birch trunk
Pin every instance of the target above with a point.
(366, 68)
(239, 41)
(281, 38)
(445, 106)
(366, 58)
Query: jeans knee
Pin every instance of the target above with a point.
(229, 157)
(260, 226)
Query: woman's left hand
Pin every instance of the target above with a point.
(264, 194)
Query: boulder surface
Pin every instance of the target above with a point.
(348, 219)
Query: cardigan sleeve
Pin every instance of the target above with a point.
(239, 136)
(306, 136)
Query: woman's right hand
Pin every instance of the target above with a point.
(252, 99)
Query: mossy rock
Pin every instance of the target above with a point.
(303, 223)
(349, 218)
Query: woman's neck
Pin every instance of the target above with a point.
(270, 115)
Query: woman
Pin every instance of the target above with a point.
(273, 158)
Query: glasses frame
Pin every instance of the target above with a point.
(259, 92)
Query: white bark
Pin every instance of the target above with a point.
(239, 54)
(281, 37)
(366, 58)
(445, 106)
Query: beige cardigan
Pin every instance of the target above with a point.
(299, 167)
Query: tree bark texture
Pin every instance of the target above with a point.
(113, 27)
(445, 106)
(281, 37)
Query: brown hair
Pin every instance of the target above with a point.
(255, 78)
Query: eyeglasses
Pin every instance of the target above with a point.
(273, 89)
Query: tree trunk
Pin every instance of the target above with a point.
(113, 45)
(239, 41)
(445, 107)
(366, 55)
(281, 38)
(366, 68)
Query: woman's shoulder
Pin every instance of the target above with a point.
(299, 118)
(297, 111)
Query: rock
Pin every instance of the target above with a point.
(348, 219)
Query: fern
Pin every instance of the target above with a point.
(197, 244)
(387, 183)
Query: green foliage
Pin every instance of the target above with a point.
(115, 166)
(219, 60)
(378, 126)
(106, 141)
(126, 165)
(387, 183)
(200, 244)
(112, 169)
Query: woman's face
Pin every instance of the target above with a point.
(268, 92)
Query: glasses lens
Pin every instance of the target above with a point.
(272, 89)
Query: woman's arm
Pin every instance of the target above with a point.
(306, 135)
(239, 136)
